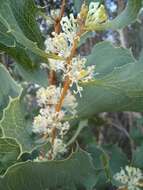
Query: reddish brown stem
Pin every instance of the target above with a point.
(58, 19)
(63, 94)
(54, 133)
(57, 28)
(52, 78)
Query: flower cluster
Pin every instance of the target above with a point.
(96, 14)
(58, 44)
(78, 72)
(129, 178)
(48, 119)
(61, 44)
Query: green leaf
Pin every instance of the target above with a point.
(1, 133)
(106, 57)
(137, 157)
(136, 135)
(127, 17)
(73, 173)
(116, 158)
(107, 160)
(37, 76)
(21, 19)
(9, 152)
(20, 36)
(118, 85)
(8, 88)
(15, 124)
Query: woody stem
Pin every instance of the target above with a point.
(57, 28)
(67, 81)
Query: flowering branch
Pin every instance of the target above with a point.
(67, 80)
(56, 102)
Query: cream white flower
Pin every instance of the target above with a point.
(78, 72)
(61, 44)
(49, 119)
(40, 124)
(70, 103)
(58, 44)
(65, 128)
(41, 96)
(55, 13)
(57, 65)
(96, 14)
(58, 147)
(129, 177)
(48, 96)
(69, 27)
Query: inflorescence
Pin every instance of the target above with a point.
(50, 123)
(129, 178)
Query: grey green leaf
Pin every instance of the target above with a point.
(8, 88)
(11, 23)
(118, 85)
(15, 125)
(75, 172)
(9, 152)
(137, 157)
